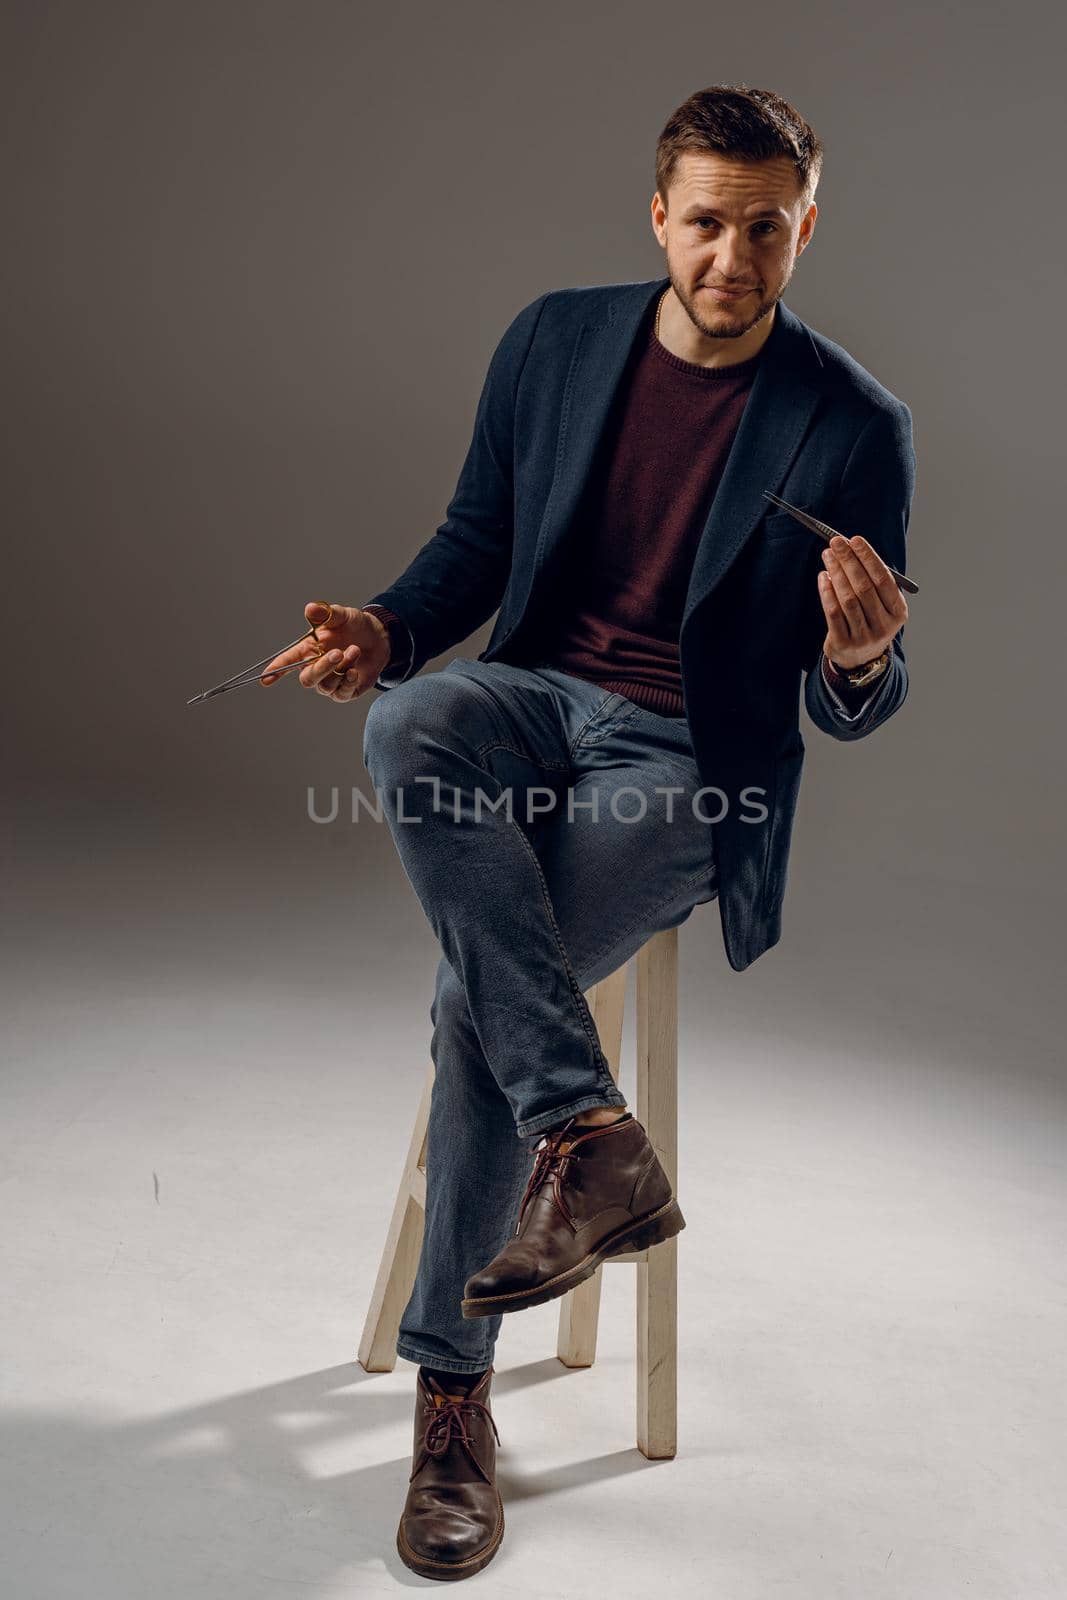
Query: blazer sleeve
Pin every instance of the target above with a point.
(457, 579)
(874, 499)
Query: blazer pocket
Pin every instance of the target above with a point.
(783, 525)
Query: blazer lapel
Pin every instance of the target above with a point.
(783, 397)
(598, 362)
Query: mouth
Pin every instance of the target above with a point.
(727, 294)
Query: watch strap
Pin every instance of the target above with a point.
(857, 677)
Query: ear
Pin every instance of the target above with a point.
(807, 227)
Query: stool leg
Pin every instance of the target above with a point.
(400, 1257)
(579, 1311)
(657, 1273)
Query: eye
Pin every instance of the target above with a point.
(709, 222)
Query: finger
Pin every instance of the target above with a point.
(889, 591)
(356, 676)
(331, 618)
(877, 589)
(303, 651)
(354, 683)
(331, 622)
(335, 683)
(839, 556)
(836, 623)
(317, 612)
(869, 624)
(320, 668)
(851, 584)
(350, 688)
(852, 619)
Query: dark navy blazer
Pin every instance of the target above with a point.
(817, 430)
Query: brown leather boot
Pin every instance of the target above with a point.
(593, 1193)
(453, 1517)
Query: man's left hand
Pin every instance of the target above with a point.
(861, 602)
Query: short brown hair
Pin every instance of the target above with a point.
(747, 124)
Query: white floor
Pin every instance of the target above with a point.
(200, 1161)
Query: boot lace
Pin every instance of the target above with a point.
(549, 1162)
(450, 1421)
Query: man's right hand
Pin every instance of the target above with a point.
(356, 646)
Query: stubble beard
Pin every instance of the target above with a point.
(724, 323)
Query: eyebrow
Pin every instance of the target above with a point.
(709, 211)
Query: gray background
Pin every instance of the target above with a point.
(257, 259)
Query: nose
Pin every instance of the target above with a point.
(731, 261)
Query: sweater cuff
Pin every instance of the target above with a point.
(401, 645)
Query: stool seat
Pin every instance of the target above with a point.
(656, 1106)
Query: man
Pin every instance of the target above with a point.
(656, 615)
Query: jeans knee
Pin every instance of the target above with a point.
(406, 724)
(379, 729)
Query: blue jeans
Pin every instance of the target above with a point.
(524, 807)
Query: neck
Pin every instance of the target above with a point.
(680, 335)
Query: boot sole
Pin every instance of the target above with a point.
(451, 1570)
(657, 1227)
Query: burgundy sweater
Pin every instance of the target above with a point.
(649, 496)
(652, 488)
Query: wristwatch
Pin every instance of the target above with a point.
(867, 672)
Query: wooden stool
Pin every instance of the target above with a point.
(657, 1269)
